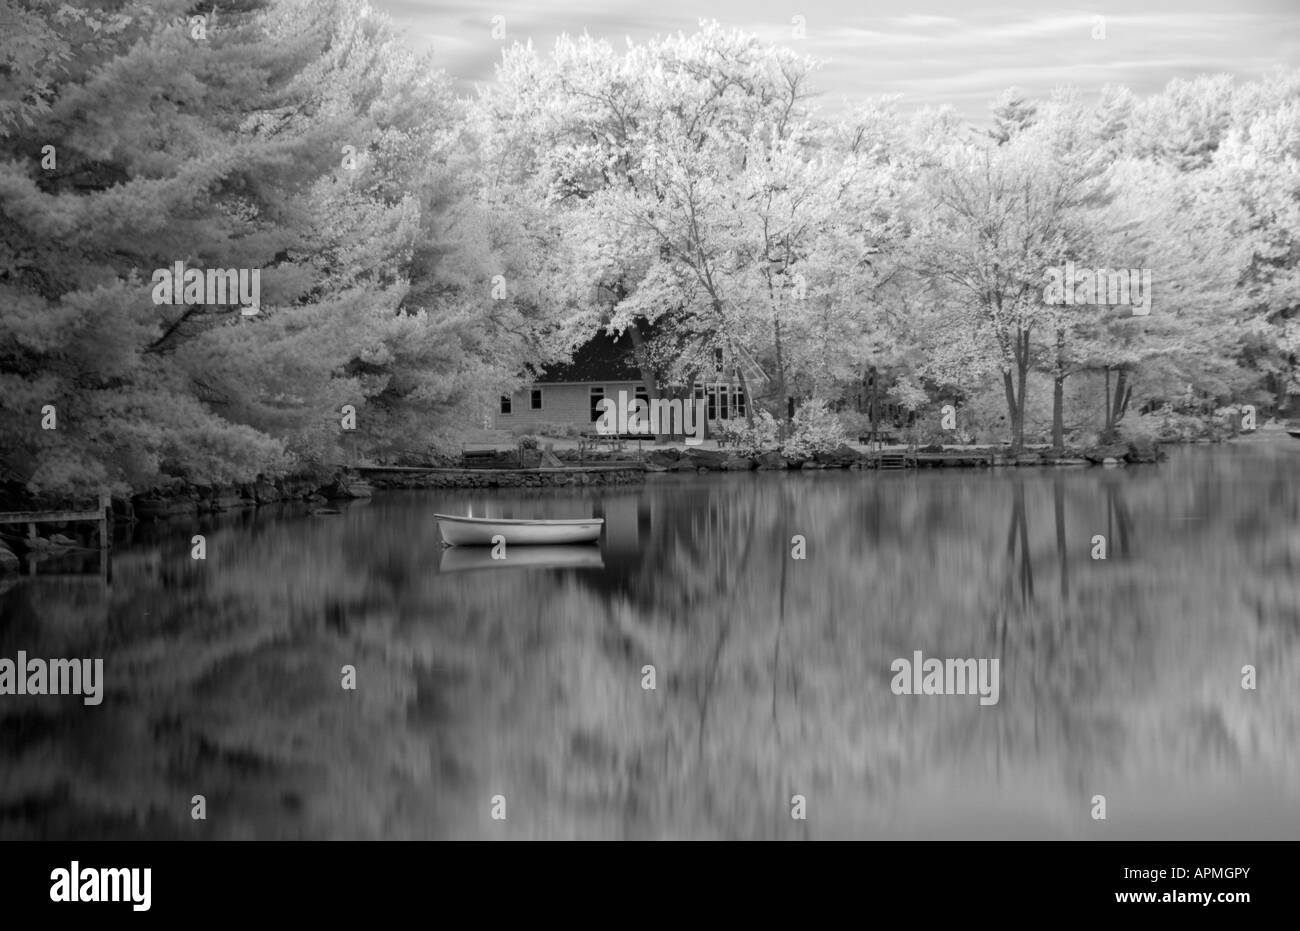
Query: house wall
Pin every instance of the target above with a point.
(568, 404)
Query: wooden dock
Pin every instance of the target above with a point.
(31, 518)
(912, 458)
(100, 516)
(894, 459)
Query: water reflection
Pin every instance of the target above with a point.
(1119, 677)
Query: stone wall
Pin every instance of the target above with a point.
(496, 478)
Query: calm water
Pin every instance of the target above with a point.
(1119, 678)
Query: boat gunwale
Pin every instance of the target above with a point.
(542, 522)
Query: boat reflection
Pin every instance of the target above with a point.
(563, 556)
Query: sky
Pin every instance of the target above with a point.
(958, 52)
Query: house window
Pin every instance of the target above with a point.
(712, 411)
(740, 402)
(505, 403)
(723, 407)
(717, 359)
(597, 395)
(535, 400)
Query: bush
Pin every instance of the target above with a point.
(855, 423)
(815, 429)
(1166, 425)
(750, 441)
(528, 442)
(557, 430)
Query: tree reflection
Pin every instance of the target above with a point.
(1119, 676)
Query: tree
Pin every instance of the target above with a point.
(993, 219)
(329, 161)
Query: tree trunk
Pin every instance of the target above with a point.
(1122, 392)
(1058, 395)
(648, 374)
(1107, 427)
(749, 398)
(1116, 404)
(873, 408)
(1022, 365)
(1058, 413)
(780, 368)
(1013, 410)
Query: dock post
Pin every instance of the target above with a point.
(105, 508)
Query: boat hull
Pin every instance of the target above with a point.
(478, 531)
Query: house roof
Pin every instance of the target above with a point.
(600, 359)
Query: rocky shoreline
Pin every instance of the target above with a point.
(847, 457)
(612, 474)
(181, 498)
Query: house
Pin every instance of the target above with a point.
(571, 393)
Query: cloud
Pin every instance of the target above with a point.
(959, 51)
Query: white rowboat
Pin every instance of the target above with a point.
(479, 531)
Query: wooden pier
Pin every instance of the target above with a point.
(100, 516)
(894, 459)
(911, 458)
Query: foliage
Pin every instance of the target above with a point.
(751, 439)
(814, 429)
(375, 279)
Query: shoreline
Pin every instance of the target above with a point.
(185, 499)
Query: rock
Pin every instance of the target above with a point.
(811, 465)
(1070, 461)
(655, 467)
(346, 489)
(838, 458)
(737, 464)
(1028, 460)
(772, 461)
(1102, 453)
(265, 493)
(227, 497)
(58, 539)
(8, 561)
(122, 509)
(149, 508)
(1110, 461)
(705, 459)
(666, 458)
(295, 487)
(1143, 451)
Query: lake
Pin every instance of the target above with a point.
(1119, 677)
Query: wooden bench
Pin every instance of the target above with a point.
(468, 456)
(592, 441)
